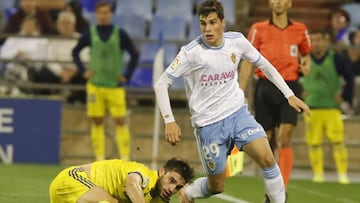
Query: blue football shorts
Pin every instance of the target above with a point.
(215, 141)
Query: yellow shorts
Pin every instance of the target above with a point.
(69, 185)
(100, 99)
(322, 121)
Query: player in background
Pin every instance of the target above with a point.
(323, 94)
(284, 42)
(106, 78)
(221, 120)
(118, 181)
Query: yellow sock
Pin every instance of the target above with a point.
(98, 141)
(341, 158)
(316, 159)
(123, 141)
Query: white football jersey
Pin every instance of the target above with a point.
(211, 77)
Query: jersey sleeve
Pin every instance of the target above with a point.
(179, 65)
(305, 44)
(249, 52)
(143, 172)
(177, 68)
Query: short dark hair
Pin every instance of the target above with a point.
(102, 3)
(323, 33)
(181, 167)
(210, 6)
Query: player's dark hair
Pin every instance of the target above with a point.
(102, 3)
(210, 6)
(181, 167)
(322, 32)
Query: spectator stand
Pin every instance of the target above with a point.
(5, 4)
(142, 8)
(172, 28)
(194, 28)
(134, 25)
(353, 10)
(174, 9)
(143, 74)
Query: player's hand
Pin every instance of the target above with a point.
(305, 65)
(298, 105)
(305, 68)
(65, 76)
(88, 74)
(172, 133)
(122, 79)
(339, 99)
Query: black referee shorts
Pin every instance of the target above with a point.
(271, 107)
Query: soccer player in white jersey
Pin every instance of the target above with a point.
(219, 115)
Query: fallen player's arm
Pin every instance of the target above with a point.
(133, 188)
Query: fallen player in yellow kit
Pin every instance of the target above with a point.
(119, 181)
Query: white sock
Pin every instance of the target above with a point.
(274, 184)
(198, 189)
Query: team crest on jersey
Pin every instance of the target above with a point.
(211, 165)
(293, 50)
(233, 57)
(175, 63)
(145, 182)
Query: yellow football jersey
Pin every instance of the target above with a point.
(111, 176)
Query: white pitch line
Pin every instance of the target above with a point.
(230, 198)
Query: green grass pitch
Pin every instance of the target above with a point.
(30, 183)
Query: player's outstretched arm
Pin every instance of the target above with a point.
(298, 104)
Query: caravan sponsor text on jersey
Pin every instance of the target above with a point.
(217, 78)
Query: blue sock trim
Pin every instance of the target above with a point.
(271, 172)
(204, 188)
